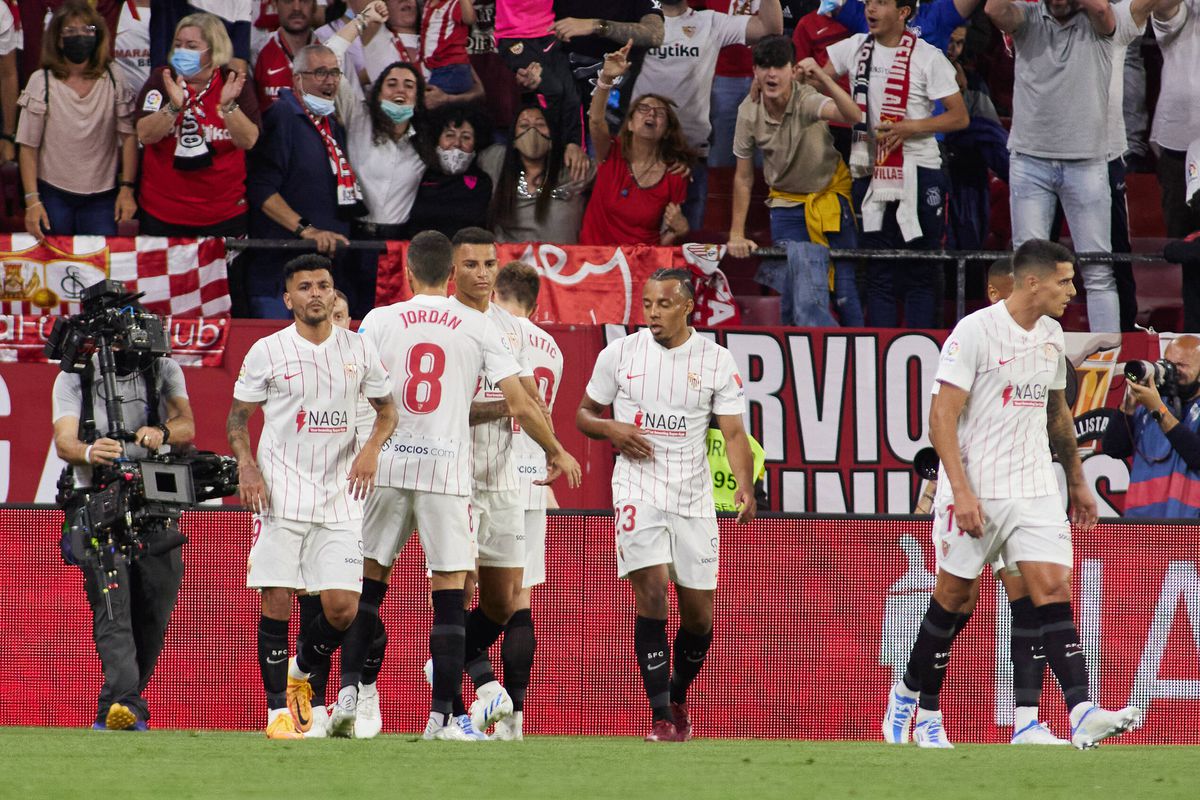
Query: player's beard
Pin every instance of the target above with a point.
(309, 316)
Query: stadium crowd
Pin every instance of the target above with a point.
(334, 121)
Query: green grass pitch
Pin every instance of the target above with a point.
(65, 763)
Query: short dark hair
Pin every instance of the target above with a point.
(682, 275)
(774, 51)
(309, 262)
(430, 258)
(1039, 257)
(520, 282)
(1000, 268)
(911, 5)
(473, 235)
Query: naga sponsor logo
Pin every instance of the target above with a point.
(675, 51)
(661, 424)
(1028, 396)
(336, 421)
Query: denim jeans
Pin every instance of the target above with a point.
(452, 78)
(697, 196)
(913, 280)
(1035, 186)
(79, 214)
(787, 224)
(727, 94)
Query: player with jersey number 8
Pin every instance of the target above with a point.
(663, 384)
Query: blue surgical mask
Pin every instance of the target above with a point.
(396, 112)
(186, 62)
(319, 106)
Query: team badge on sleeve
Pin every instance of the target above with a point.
(153, 101)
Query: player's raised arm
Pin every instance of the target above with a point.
(741, 461)
(529, 414)
(943, 434)
(251, 487)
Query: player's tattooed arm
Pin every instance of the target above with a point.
(488, 411)
(1060, 428)
(251, 487)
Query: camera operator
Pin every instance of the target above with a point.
(1161, 431)
(130, 611)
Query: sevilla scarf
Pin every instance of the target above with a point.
(888, 169)
(192, 150)
(349, 193)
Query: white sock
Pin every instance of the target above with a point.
(924, 714)
(348, 697)
(904, 691)
(294, 671)
(489, 689)
(275, 712)
(439, 719)
(1023, 716)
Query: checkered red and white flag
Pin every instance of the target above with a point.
(180, 277)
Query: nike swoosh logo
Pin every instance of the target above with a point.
(276, 660)
(276, 71)
(629, 377)
(656, 666)
(1004, 361)
(300, 720)
(694, 660)
(289, 377)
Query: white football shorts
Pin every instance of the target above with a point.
(498, 521)
(1015, 529)
(647, 536)
(535, 548)
(309, 556)
(443, 522)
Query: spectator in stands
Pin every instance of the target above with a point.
(383, 134)
(445, 26)
(403, 31)
(681, 68)
(196, 121)
(640, 186)
(131, 44)
(10, 42)
(300, 182)
(455, 192)
(535, 200)
(1177, 123)
(1059, 135)
(809, 183)
(74, 128)
(1162, 434)
(812, 36)
(933, 21)
(732, 76)
(273, 68)
(586, 39)
(899, 186)
(354, 58)
(236, 16)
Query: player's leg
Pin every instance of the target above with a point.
(310, 608)
(274, 569)
(695, 548)
(1028, 660)
(520, 643)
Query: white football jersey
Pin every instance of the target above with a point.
(309, 395)
(491, 442)
(1008, 372)
(670, 395)
(547, 362)
(435, 348)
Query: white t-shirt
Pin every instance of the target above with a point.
(670, 395)
(491, 442)
(131, 47)
(1177, 114)
(682, 67)
(309, 395)
(10, 38)
(1008, 372)
(436, 348)
(547, 362)
(1127, 32)
(931, 77)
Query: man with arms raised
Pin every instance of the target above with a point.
(663, 384)
(306, 494)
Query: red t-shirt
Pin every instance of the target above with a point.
(734, 61)
(620, 211)
(194, 197)
(273, 70)
(443, 35)
(814, 34)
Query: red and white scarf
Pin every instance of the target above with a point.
(349, 192)
(893, 176)
(192, 150)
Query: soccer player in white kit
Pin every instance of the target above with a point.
(306, 488)
(436, 347)
(1000, 407)
(664, 383)
(517, 292)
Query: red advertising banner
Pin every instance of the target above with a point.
(588, 285)
(804, 648)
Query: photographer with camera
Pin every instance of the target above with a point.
(131, 595)
(1161, 430)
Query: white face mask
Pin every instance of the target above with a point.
(454, 161)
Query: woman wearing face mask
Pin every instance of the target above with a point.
(535, 199)
(639, 188)
(75, 129)
(196, 121)
(382, 132)
(455, 192)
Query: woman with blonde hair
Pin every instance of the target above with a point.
(75, 132)
(196, 121)
(641, 183)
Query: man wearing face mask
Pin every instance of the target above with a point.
(1160, 428)
(130, 637)
(300, 182)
